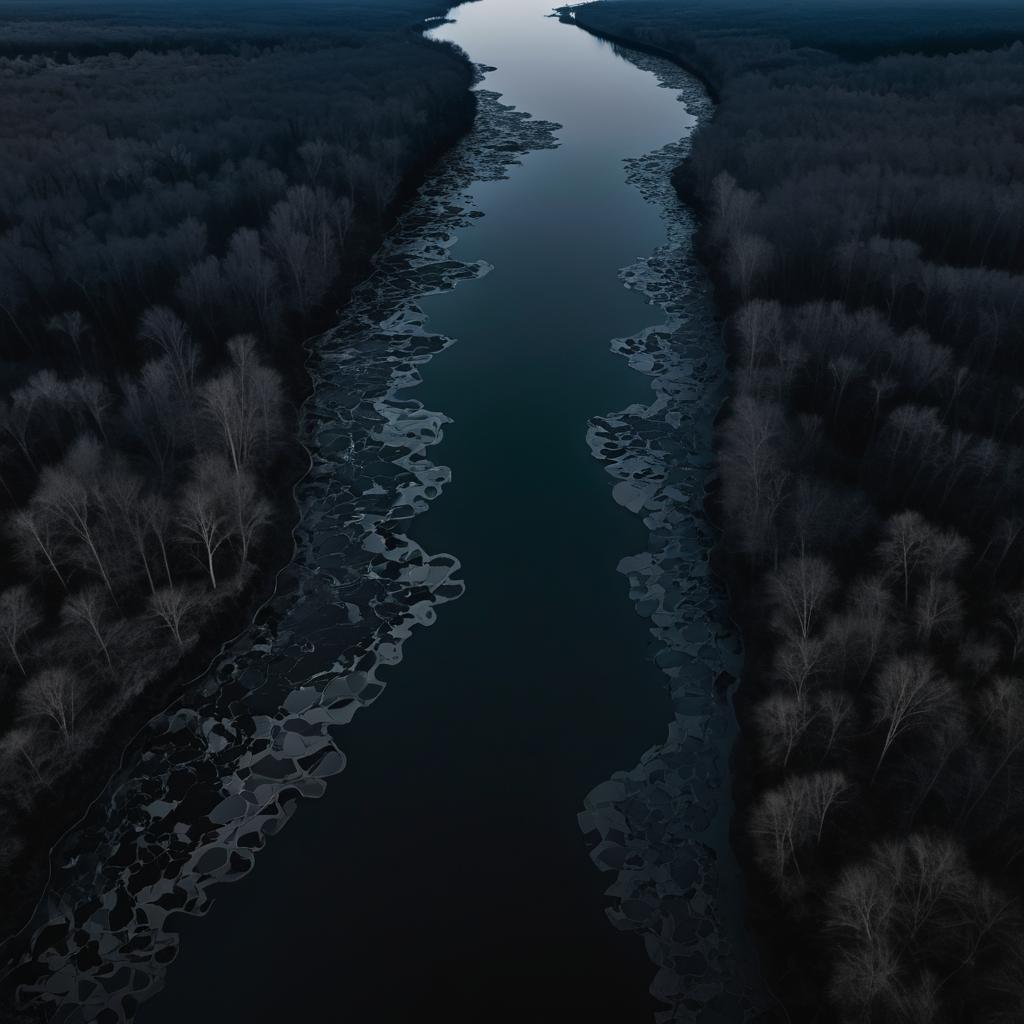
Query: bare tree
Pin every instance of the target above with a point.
(89, 610)
(862, 904)
(38, 539)
(249, 512)
(162, 328)
(792, 817)
(800, 590)
(243, 404)
(757, 325)
(912, 547)
(776, 828)
(782, 720)
(835, 711)
(1001, 705)
(159, 521)
(94, 397)
(799, 663)
(821, 792)
(754, 476)
(18, 746)
(938, 610)
(124, 502)
(19, 616)
(749, 257)
(948, 738)
(72, 326)
(68, 497)
(175, 608)
(157, 415)
(250, 277)
(201, 512)
(1010, 622)
(875, 620)
(860, 912)
(909, 694)
(1007, 532)
(733, 206)
(52, 695)
(915, 901)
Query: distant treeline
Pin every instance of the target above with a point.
(863, 224)
(173, 224)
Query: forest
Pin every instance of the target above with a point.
(862, 215)
(187, 192)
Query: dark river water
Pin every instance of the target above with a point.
(542, 281)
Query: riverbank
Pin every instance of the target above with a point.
(753, 915)
(868, 756)
(678, 885)
(352, 595)
(61, 804)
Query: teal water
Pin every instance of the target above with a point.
(461, 886)
(443, 876)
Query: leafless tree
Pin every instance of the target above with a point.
(800, 590)
(38, 539)
(1007, 533)
(835, 711)
(52, 694)
(19, 617)
(175, 608)
(94, 397)
(757, 325)
(159, 521)
(162, 328)
(754, 475)
(243, 404)
(911, 547)
(799, 663)
(821, 792)
(74, 327)
(749, 258)
(910, 901)
(733, 206)
(775, 826)
(1001, 706)
(67, 496)
(249, 513)
(201, 511)
(250, 276)
(302, 234)
(18, 746)
(89, 610)
(124, 502)
(792, 817)
(1011, 624)
(938, 610)
(910, 693)
(782, 720)
(156, 415)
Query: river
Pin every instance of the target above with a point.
(542, 279)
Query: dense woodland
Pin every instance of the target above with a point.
(184, 196)
(863, 224)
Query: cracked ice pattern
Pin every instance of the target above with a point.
(663, 827)
(206, 782)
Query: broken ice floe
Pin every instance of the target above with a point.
(205, 783)
(663, 826)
